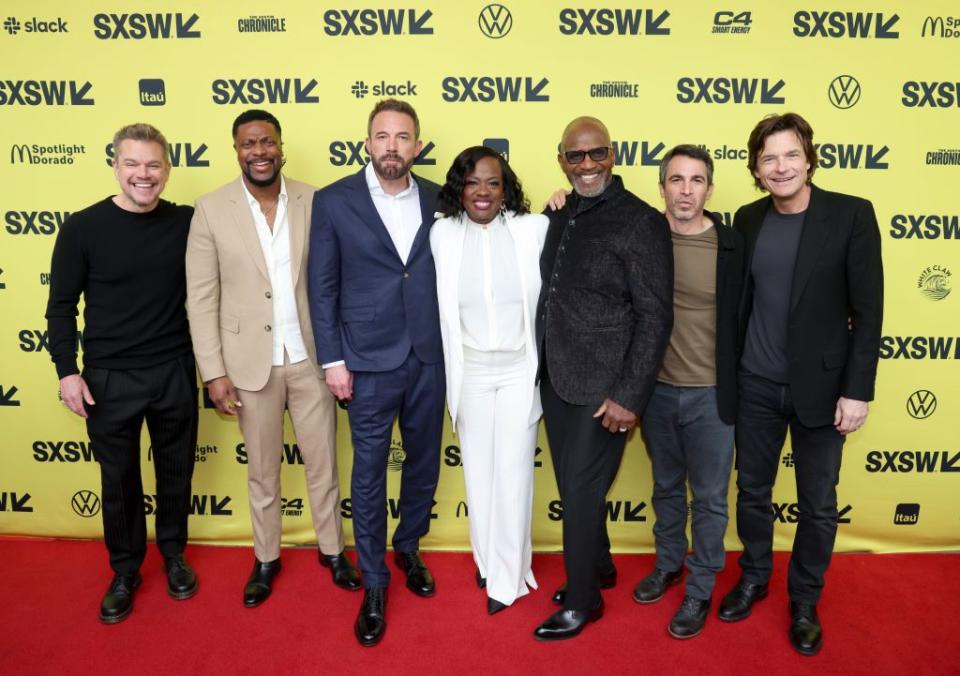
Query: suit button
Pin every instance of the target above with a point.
(406, 274)
(268, 294)
(571, 222)
(267, 328)
(562, 248)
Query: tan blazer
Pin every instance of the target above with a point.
(228, 287)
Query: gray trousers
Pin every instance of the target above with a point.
(688, 441)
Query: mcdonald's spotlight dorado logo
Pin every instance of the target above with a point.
(941, 27)
(844, 91)
(921, 404)
(495, 21)
(85, 504)
(934, 282)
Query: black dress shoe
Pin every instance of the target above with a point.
(372, 620)
(419, 579)
(259, 584)
(689, 618)
(181, 580)
(652, 588)
(118, 601)
(494, 606)
(345, 575)
(565, 623)
(737, 604)
(805, 633)
(607, 580)
(481, 581)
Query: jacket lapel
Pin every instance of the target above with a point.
(426, 218)
(240, 209)
(296, 219)
(812, 239)
(369, 215)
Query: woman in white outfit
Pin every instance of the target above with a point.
(487, 252)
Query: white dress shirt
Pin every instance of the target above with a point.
(400, 213)
(491, 295)
(275, 245)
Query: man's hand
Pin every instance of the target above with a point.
(557, 200)
(339, 382)
(615, 417)
(850, 415)
(223, 395)
(74, 392)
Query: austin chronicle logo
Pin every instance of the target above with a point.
(844, 91)
(85, 503)
(396, 456)
(921, 404)
(934, 282)
(495, 21)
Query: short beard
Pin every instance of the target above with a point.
(391, 173)
(599, 190)
(263, 182)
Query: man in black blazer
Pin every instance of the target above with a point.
(810, 330)
(603, 322)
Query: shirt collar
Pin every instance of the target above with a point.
(252, 201)
(373, 184)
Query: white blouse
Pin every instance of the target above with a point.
(491, 297)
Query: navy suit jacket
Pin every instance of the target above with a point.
(367, 307)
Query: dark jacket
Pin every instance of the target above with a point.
(838, 279)
(606, 304)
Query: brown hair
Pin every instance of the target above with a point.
(396, 106)
(773, 124)
(141, 131)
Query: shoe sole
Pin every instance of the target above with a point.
(120, 618)
(184, 595)
(370, 644)
(247, 604)
(737, 618)
(421, 593)
(807, 653)
(648, 601)
(687, 636)
(574, 634)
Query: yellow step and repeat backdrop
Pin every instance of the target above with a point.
(880, 83)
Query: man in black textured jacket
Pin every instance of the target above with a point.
(603, 323)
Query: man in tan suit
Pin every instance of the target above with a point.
(250, 324)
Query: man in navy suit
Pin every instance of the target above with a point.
(373, 304)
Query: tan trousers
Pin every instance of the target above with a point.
(312, 410)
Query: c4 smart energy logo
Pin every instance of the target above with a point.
(138, 26)
(736, 23)
(844, 91)
(613, 21)
(369, 22)
(934, 282)
(921, 404)
(827, 24)
(495, 21)
(925, 226)
(85, 504)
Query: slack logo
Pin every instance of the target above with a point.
(907, 514)
(152, 93)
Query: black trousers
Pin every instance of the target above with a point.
(166, 397)
(765, 413)
(586, 458)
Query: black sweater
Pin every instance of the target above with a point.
(130, 269)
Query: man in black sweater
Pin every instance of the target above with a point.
(125, 254)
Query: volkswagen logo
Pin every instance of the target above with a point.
(844, 91)
(495, 21)
(921, 404)
(85, 503)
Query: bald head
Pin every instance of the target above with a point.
(582, 124)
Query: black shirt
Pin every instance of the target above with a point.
(130, 269)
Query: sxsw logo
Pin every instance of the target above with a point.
(452, 456)
(925, 226)
(290, 454)
(906, 514)
(7, 395)
(145, 26)
(349, 153)
(15, 502)
(789, 512)
(931, 94)
(34, 222)
(637, 153)
(383, 88)
(34, 25)
(152, 92)
(262, 90)
(45, 93)
(393, 508)
(921, 404)
(62, 451)
(627, 511)
(367, 22)
(941, 27)
(181, 154)
(731, 22)
(609, 21)
(729, 90)
(845, 25)
(85, 503)
(902, 462)
(487, 88)
(919, 347)
(851, 156)
(200, 505)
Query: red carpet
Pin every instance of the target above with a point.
(882, 614)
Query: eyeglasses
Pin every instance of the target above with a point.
(596, 154)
